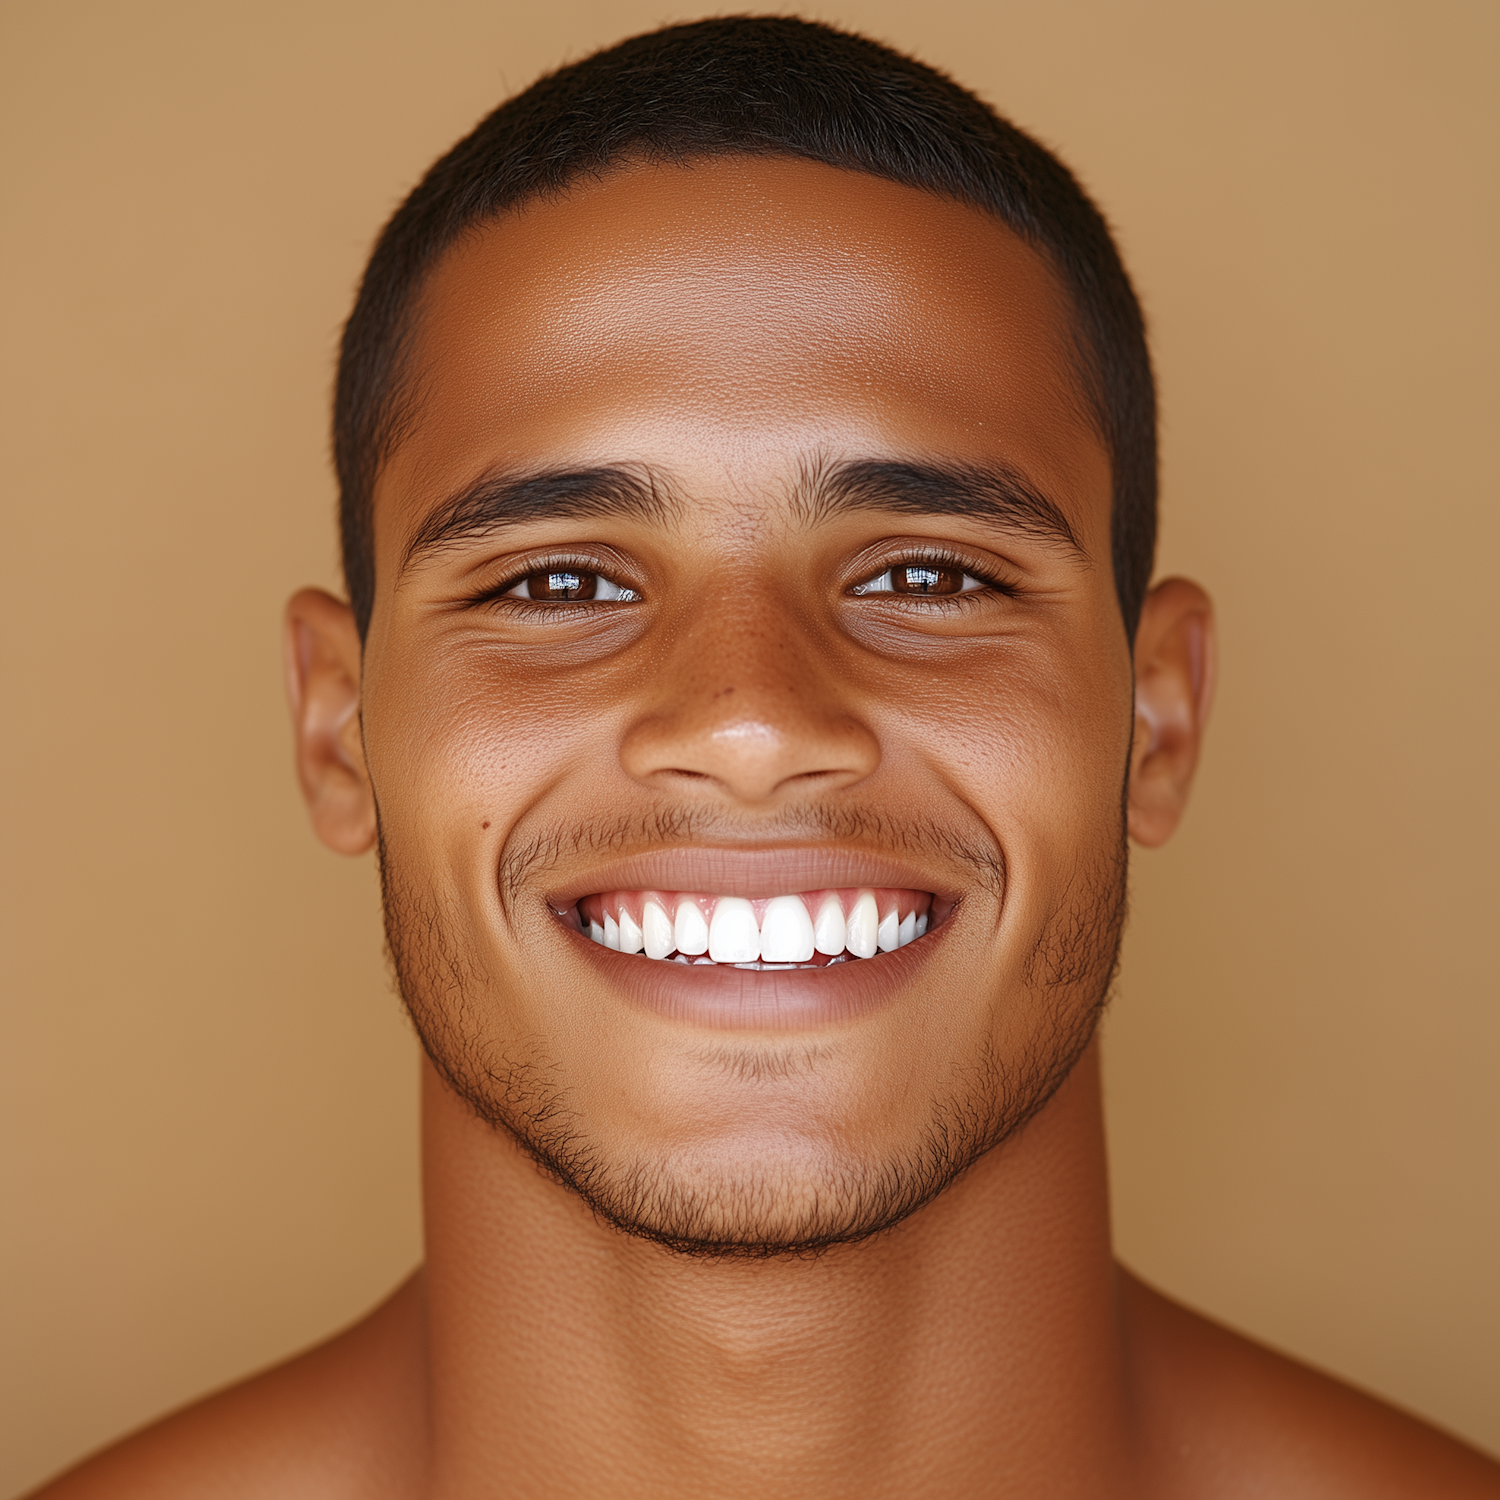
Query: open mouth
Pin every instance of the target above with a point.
(809, 929)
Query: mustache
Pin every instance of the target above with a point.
(529, 856)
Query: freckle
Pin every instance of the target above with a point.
(485, 824)
(724, 692)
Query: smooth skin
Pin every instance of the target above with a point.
(735, 331)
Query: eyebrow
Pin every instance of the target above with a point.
(993, 493)
(497, 501)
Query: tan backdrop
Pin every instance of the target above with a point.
(209, 1091)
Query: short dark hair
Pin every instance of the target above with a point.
(754, 86)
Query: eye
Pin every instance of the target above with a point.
(921, 578)
(564, 585)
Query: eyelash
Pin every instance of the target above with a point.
(499, 594)
(938, 557)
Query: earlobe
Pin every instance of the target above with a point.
(323, 687)
(1174, 686)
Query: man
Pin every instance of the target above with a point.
(750, 678)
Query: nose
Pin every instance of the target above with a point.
(750, 714)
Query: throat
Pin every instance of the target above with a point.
(978, 1339)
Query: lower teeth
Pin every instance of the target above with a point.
(682, 958)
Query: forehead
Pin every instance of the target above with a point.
(734, 315)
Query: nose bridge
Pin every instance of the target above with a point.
(746, 699)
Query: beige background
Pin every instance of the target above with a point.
(209, 1092)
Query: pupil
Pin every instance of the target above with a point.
(561, 585)
(923, 578)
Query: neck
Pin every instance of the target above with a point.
(975, 1349)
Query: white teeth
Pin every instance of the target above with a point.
(691, 931)
(863, 924)
(829, 930)
(656, 928)
(733, 937)
(786, 935)
(631, 939)
(786, 931)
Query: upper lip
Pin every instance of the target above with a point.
(751, 873)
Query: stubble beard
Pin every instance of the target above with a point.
(695, 1206)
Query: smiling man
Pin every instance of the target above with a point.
(750, 681)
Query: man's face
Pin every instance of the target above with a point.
(748, 539)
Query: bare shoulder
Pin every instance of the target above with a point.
(1228, 1418)
(343, 1419)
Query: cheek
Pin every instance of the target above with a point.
(460, 749)
(1035, 737)
(1037, 749)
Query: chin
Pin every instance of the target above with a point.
(759, 1197)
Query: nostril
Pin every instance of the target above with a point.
(699, 742)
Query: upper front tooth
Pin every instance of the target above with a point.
(656, 929)
(888, 935)
(907, 930)
(862, 927)
(690, 933)
(733, 937)
(786, 931)
(611, 932)
(631, 938)
(829, 930)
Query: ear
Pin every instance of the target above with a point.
(1174, 689)
(322, 682)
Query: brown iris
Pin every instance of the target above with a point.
(562, 584)
(924, 578)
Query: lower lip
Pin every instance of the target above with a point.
(728, 998)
